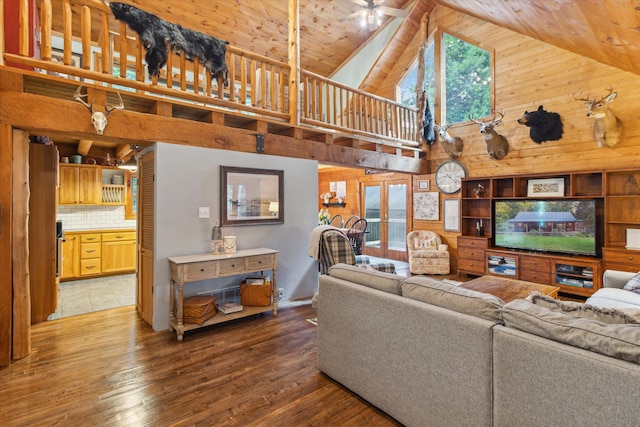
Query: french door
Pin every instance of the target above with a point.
(384, 206)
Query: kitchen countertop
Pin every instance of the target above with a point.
(99, 230)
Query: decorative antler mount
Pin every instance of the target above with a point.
(98, 118)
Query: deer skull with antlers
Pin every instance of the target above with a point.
(607, 130)
(497, 145)
(98, 118)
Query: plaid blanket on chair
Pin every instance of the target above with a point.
(335, 248)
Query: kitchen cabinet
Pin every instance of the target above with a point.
(79, 184)
(90, 185)
(95, 253)
(90, 254)
(70, 257)
(118, 252)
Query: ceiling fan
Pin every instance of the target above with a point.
(371, 12)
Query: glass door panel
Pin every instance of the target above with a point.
(396, 222)
(385, 209)
(372, 201)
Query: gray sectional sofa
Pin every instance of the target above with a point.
(433, 354)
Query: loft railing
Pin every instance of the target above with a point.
(258, 85)
(330, 104)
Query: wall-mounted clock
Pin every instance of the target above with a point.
(449, 176)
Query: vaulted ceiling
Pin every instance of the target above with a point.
(607, 31)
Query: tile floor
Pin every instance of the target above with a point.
(89, 295)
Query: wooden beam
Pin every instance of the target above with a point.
(2, 43)
(54, 116)
(161, 108)
(294, 60)
(84, 146)
(20, 246)
(123, 151)
(11, 81)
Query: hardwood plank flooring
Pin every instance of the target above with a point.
(111, 369)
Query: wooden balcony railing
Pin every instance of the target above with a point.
(333, 105)
(258, 85)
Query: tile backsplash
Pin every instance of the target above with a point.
(93, 218)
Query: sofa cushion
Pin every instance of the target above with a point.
(452, 297)
(621, 341)
(615, 298)
(633, 284)
(386, 282)
(586, 311)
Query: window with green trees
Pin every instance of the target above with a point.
(467, 80)
(407, 86)
(467, 90)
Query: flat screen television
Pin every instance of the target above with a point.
(566, 226)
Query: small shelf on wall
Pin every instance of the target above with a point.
(343, 204)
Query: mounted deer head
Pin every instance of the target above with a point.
(98, 119)
(497, 145)
(607, 130)
(452, 145)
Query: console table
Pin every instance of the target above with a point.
(192, 268)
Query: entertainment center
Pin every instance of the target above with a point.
(558, 229)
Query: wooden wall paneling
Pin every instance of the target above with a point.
(448, 237)
(6, 266)
(352, 177)
(529, 73)
(20, 246)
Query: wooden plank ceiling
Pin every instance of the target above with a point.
(607, 31)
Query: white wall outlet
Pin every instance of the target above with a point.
(280, 292)
(203, 212)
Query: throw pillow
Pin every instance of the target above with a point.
(424, 243)
(633, 284)
(585, 311)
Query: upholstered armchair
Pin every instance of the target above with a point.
(427, 253)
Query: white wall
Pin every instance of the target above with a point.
(353, 72)
(188, 178)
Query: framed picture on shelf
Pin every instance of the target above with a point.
(451, 214)
(423, 185)
(426, 206)
(550, 187)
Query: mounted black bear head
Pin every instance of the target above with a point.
(544, 126)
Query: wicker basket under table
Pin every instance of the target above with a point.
(199, 309)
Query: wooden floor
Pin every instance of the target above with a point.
(111, 369)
